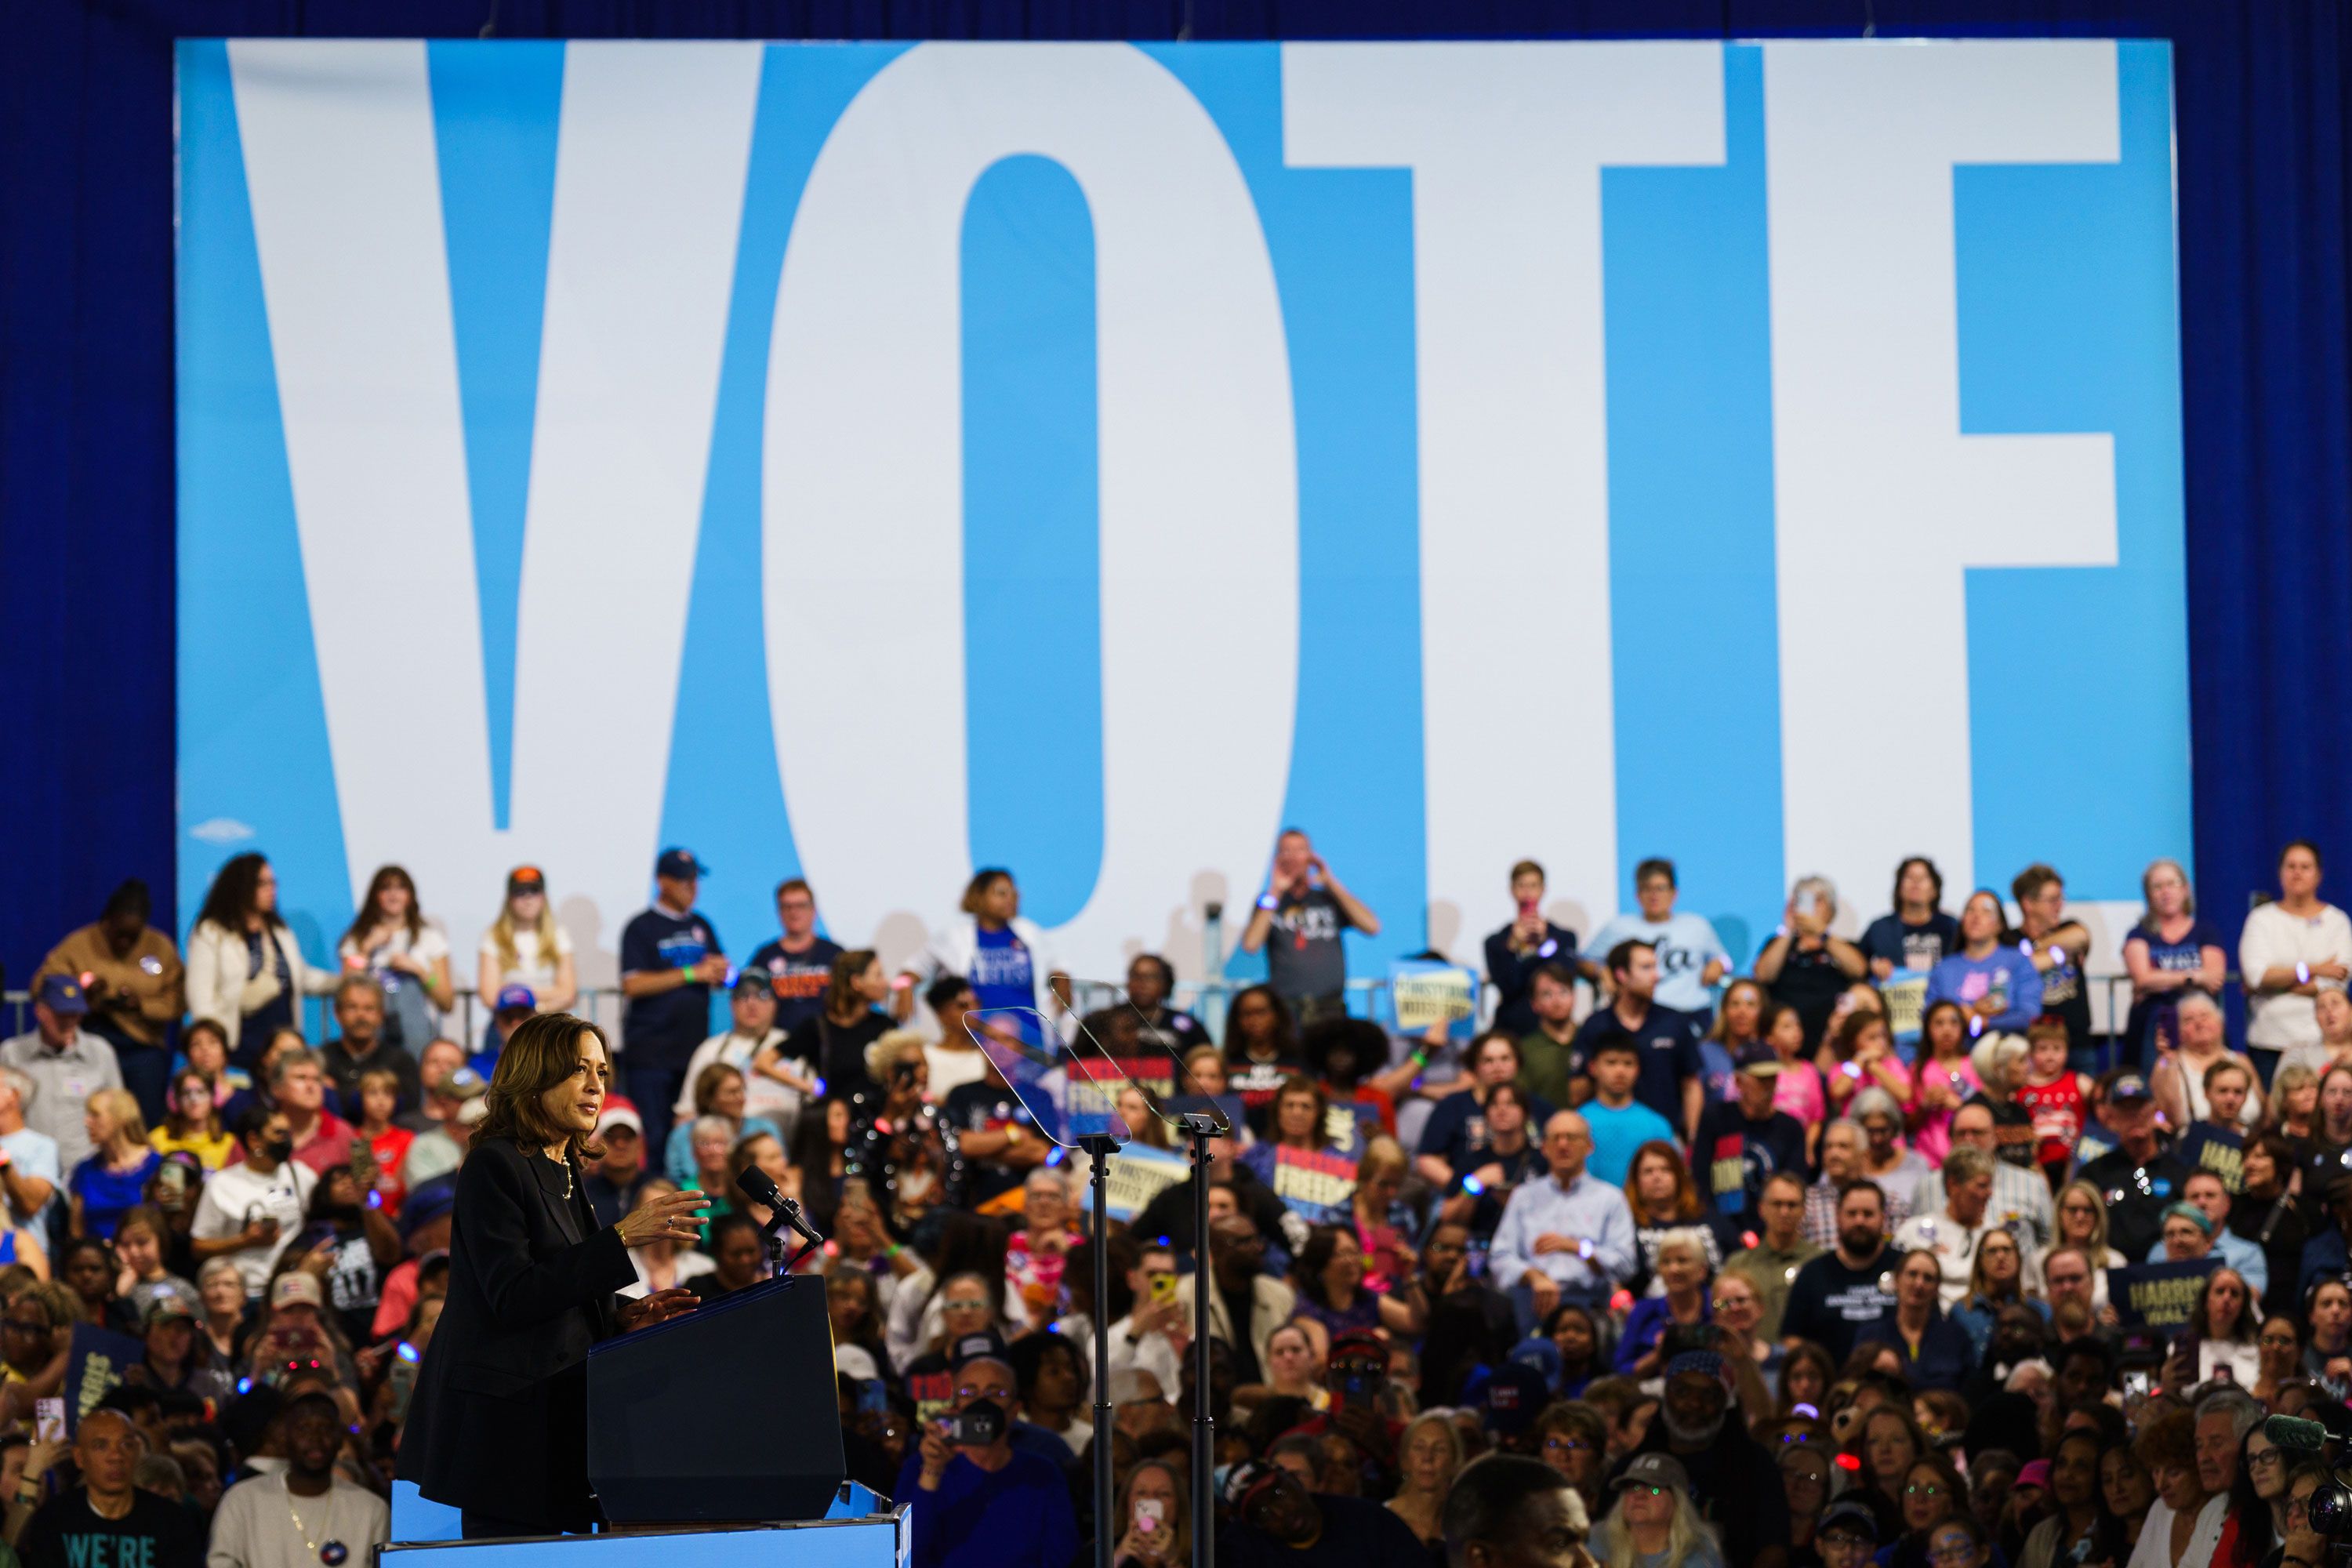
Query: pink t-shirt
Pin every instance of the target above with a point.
(1932, 1129)
(1799, 1091)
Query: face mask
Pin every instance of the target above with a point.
(279, 1148)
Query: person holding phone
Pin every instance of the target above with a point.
(979, 1502)
(1298, 922)
(1515, 953)
(1159, 1519)
(250, 1211)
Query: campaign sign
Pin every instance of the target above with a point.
(1318, 1187)
(2158, 1295)
(1424, 993)
(1139, 1174)
(94, 1369)
(2210, 1146)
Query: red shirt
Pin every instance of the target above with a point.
(2057, 1112)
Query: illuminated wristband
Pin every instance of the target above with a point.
(2303, 975)
(1421, 1058)
(1268, 901)
(1584, 1249)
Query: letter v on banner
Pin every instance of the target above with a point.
(346, 204)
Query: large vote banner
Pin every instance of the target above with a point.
(874, 462)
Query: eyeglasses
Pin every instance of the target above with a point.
(2276, 1341)
(40, 1328)
(1957, 1552)
(2267, 1457)
(1567, 1445)
(1916, 1490)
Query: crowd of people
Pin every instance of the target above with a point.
(1670, 1257)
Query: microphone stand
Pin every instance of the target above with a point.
(788, 1212)
(1199, 1128)
(1100, 1147)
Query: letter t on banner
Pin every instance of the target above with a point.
(1506, 143)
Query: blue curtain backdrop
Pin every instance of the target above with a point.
(86, 358)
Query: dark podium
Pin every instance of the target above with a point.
(728, 1413)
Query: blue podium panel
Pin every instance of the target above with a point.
(875, 1541)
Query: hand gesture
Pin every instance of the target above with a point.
(712, 969)
(658, 1308)
(936, 1453)
(1552, 1241)
(1543, 1291)
(42, 1457)
(668, 1216)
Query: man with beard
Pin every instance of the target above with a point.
(1735, 1484)
(333, 1520)
(2139, 1175)
(1836, 1293)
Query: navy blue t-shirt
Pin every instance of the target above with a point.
(1668, 1042)
(2180, 956)
(1734, 1157)
(799, 978)
(1919, 947)
(662, 1031)
(1456, 1128)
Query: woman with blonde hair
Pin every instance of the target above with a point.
(1429, 1454)
(2083, 1224)
(525, 947)
(113, 1180)
(1654, 1523)
(2170, 951)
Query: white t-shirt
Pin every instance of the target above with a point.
(1685, 944)
(531, 967)
(952, 1068)
(256, 1525)
(763, 1096)
(237, 1193)
(427, 944)
(2154, 1547)
(2271, 939)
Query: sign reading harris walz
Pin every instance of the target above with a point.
(2158, 1295)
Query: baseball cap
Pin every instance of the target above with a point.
(755, 983)
(2034, 1473)
(425, 1204)
(619, 1112)
(1704, 1363)
(1758, 1058)
(296, 1289)
(1654, 1470)
(1544, 1356)
(2129, 1086)
(474, 1112)
(675, 862)
(1244, 1482)
(517, 998)
(526, 880)
(463, 1083)
(167, 1304)
(985, 1345)
(2190, 1213)
(1848, 1517)
(62, 994)
(1516, 1395)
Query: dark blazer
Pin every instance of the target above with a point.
(499, 1422)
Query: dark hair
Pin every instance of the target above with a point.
(1846, 1039)
(839, 985)
(1028, 1355)
(1615, 1040)
(1655, 866)
(977, 889)
(1553, 970)
(726, 1224)
(2172, 1440)
(791, 883)
(1621, 957)
(1811, 1354)
(1323, 1244)
(2304, 843)
(2031, 880)
(937, 994)
(1490, 1498)
(252, 1120)
(2255, 1536)
(1283, 1038)
(1937, 902)
(230, 898)
(1167, 970)
(543, 1052)
(364, 918)
(131, 898)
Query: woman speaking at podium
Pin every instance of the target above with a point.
(498, 1427)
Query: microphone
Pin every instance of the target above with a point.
(2301, 1436)
(760, 1188)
